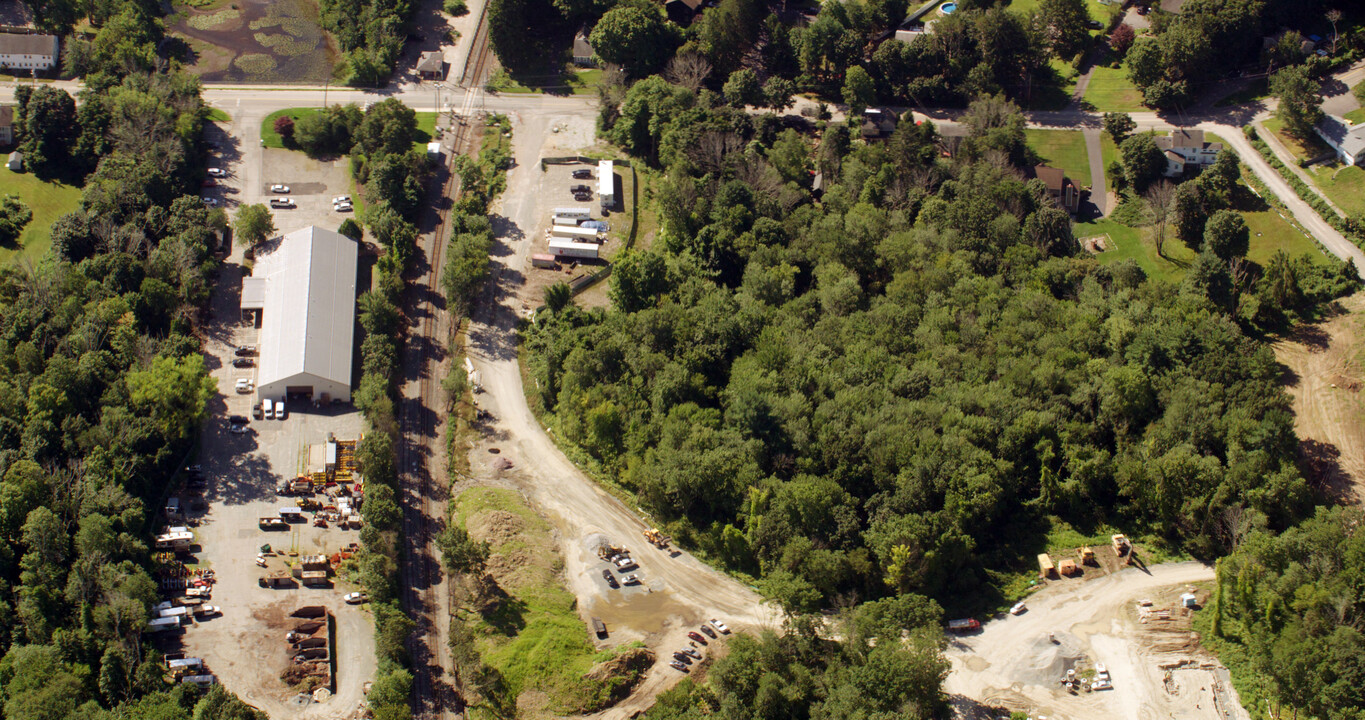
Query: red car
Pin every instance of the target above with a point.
(697, 637)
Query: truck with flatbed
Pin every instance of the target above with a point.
(964, 625)
(273, 523)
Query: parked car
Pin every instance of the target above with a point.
(1019, 608)
(343, 207)
(677, 665)
(356, 598)
(631, 579)
(279, 189)
(583, 174)
(211, 202)
(720, 626)
(281, 203)
(625, 563)
(238, 419)
(576, 189)
(243, 385)
(217, 172)
(697, 637)
(238, 429)
(611, 579)
(279, 409)
(194, 469)
(269, 409)
(682, 658)
(244, 350)
(341, 199)
(693, 652)
(709, 632)
(242, 362)
(583, 197)
(256, 412)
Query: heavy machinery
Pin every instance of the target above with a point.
(656, 538)
(1122, 548)
(1087, 555)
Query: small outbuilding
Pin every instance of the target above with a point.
(431, 65)
(16, 161)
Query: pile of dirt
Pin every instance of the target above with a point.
(502, 567)
(619, 676)
(495, 526)
(1046, 662)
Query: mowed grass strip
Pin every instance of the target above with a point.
(1344, 185)
(272, 139)
(1063, 149)
(47, 200)
(1110, 90)
(536, 639)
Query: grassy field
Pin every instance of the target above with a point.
(270, 138)
(535, 638)
(1063, 149)
(48, 201)
(1099, 13)
(1110, 90)
(1302, 150)
(1136, 244)
(216, 115)
(1355, 117)
(578, 81)
(1270, 232)
(1257, 90)
(1345, 185)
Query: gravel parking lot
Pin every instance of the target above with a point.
(245, 646)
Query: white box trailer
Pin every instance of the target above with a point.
(578, 212)
(175, 612)
(569, 248)
(566, 220)
(163, 624)
(580, 234)
(606, 183)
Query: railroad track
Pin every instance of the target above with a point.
(420, 420)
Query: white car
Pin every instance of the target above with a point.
(720, 626)
(355, 598)
(243, 385)
(279, 188)
(341, 199)
(281, 203)
(1019, 608)
(1101, 671)
(217, 172)
(238, 429)
(343, 207)
(626, 563)
(211, 202)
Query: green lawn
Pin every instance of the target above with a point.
(1355, 117)
(1063, 149)
(48, 201)
(270, 138)
(577, 81)
(1257, 90)
(1136, 244)
(1270, 232)
(216, 115)
(1110, 90)
(1302, 150)
(1099, 13)
(1344, 185)
(1053, 90)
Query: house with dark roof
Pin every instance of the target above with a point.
(431, 65)
(878, 123)
(28, 53)
(1347, 139)
(682, 12)
(1059, 187)
(582, 50)
(7, 125)
(1185, 150)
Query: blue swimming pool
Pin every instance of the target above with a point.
(947, 8)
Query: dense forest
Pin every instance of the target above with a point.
(901, 385)
(104, 385)
(846, 51)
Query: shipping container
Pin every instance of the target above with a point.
(563, 220)
(578, 212)
(581, 234)
(544, 261)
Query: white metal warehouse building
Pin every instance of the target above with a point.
(304, 285)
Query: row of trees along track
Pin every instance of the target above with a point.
(432, 698)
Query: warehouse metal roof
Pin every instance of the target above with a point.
(308, 318)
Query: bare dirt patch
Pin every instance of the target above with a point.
(1323, 376)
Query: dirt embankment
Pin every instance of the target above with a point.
(1324, 377)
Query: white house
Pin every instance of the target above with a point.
(1185, 149)
(304, 284)
(1347, 139)
(28, 52)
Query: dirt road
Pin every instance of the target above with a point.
(1013, 663)
(1325, 380)
(685, 590)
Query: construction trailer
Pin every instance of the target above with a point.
(1045, 567)
(1067, 568)
(569, 248)
(542, 260)
(574, 232)
(566, 220)
(314, 578)
(573, 212)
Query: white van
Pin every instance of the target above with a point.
(268, 408)
(279, 409)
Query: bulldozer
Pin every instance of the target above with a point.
(656, 538)
(1087, 555)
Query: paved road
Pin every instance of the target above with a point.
(1099, 189)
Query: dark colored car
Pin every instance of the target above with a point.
(245, 350)
(677, 665)
(682, 658)
(583, 197)
(256, 412)
(576, 189)
(611, 579)
(243, 362)
(697, 637)
(709, 632)
(582, 174)
(238, 419)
